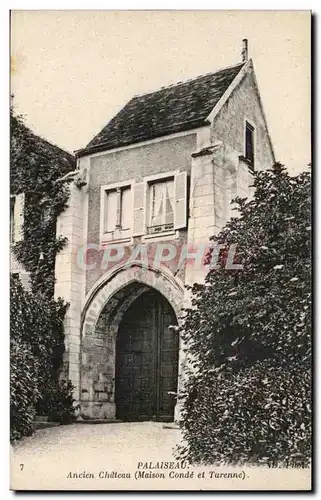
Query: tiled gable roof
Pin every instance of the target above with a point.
(176, 108)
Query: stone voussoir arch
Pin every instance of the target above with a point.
(161, 280)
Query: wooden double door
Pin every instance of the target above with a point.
(147, 360)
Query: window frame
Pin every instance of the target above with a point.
(118, 235)
(18, 218)
(249, 124)
(148, 181)
(12, 219)
(161, 182)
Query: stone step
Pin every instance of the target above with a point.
(97, 421)
(43, 425)
(41, 418)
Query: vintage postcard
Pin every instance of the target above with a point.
(160, 238)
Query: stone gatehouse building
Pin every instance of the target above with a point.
(158, 178)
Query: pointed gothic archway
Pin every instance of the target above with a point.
(118, 308)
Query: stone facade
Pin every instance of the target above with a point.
(133, 163)
(71, 279)
(213, 158)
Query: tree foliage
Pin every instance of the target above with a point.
(248, 396)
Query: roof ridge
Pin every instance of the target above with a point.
(192, 79)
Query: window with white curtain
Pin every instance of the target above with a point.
(161, 206)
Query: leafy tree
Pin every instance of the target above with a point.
(248, 395)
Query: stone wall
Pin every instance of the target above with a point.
(228, 125)
(100, 268)
(70, 278)
(134, 163)
(219, 174)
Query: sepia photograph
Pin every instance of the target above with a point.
(160, 250)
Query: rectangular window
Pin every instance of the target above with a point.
(17, 203)
(249, 143)
(117, 213)
(110, 219)
(161, 206)
(12, 216)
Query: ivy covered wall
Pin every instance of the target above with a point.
(35, 167)
(37, 329)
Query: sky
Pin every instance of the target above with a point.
(72, 71)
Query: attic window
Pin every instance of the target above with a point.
(249, 143)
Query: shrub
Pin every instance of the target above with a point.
(24, 392)
(37, 346)
(259, 415)
(56, 401)
(248, 331)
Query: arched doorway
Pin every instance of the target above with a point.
(107, 305)
(147, 360)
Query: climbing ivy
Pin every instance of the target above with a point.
(37, 333)
(35, 167)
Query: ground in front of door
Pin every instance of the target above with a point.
(87, 451)
(129, 456)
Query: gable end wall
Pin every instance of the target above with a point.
(228, 125)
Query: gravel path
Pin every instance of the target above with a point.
(50, 454)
